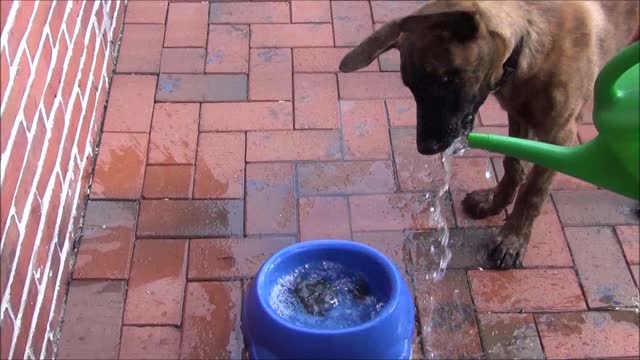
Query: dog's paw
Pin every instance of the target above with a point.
(481, 204)
(510, 250)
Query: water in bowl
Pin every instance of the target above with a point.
(324, 295)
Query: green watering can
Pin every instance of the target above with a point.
(612, 159)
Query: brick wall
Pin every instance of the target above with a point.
(56, 60)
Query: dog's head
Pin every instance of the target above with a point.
(449, 60)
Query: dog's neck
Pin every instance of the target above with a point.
(510, 66)
(526, 34)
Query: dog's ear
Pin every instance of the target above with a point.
(375, 44)
(461, 25)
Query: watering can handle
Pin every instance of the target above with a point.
(604, 90)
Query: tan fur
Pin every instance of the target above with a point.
(566, 43)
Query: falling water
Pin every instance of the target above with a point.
(438, 245)
(439, 249)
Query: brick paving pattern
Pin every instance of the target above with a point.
(230, 134)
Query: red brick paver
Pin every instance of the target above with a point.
(171, 181)
(156, 285)
(449, 329)
(182, 60)
(345, 177)
(230, 134)
(310, 11)
(601, 267)
(93, 320)
(600, 207)
(316, 104)
(390, 243)
(201, 88)
(526, 290)
(174, 134)
(371, 86)
(291, 35)
(264, 115)
(364, 130)
(120, 166)
(150, 342)
(220, 166)
(247, 13)
(322, 59)
(228, 49)
(510, 336)
(589, 334)
(351, 22)
(324, 218)
(293, 145)
(270, 202)
(391, 212)
(130, 103)
(184, 218)
(222, 259)
(141, 49)
(270, 75)
(402, 112)
(630, 239)
(146, 12)
(107, 246)
(186, 25)
(205, 301)
(384, 11)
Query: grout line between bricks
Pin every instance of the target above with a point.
(575, 271)
(535, 323)
(624, 255)
(410, 271)
(244, 187)
(99, 139)
(297, 198)
(475, 311)
(394, 164)
(195, 158)
(246, 135)
(183, 307)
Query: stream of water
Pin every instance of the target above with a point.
(438, 245)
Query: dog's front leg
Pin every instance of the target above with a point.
(480, 204)
(514, 235)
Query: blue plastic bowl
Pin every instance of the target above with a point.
(389, 335)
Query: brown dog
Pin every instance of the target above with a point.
(540, 58)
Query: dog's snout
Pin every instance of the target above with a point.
(429, 147)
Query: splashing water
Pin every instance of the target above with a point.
(324, 295)
(439, 249)
(439, 245)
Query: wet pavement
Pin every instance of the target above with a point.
(230, 134)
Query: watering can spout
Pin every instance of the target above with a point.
(592, 162)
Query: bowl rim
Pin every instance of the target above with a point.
(389, 268)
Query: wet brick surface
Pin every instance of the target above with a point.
(230, 134)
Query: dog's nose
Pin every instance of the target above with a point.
(429, 147)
